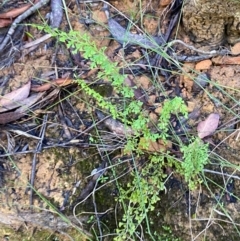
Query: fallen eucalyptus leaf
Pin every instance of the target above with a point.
(14, 99)
(208, 126)
(54, 83)
(10, 116)
(31, 100)
(20, 112)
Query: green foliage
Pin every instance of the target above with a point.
(175, 106)
(89, 50)
(195, 156)
(166, 235)
(142, 193)
(141, 196)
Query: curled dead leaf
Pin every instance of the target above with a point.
(208, 126)
(47, 86)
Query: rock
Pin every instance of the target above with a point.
(212, 22)
(205, 64)
(226, 60)
(99, 16)
(164, 3)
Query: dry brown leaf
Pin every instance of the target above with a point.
(153, 146)
(14, 99)
(20, 112)
(58, 82)
(208, 126)
(5, 22)
(30, 101)
(137, 91)
(17, 11)
(10, 116)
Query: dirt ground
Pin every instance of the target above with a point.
(63, 168)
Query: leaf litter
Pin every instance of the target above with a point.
(13, 99)
(74, 118)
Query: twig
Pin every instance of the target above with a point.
(34, 162)
(37, 41)
(220, 173)
(205, 54)
(21, 18)
(177, 41)
(185, 58)
(61, 115)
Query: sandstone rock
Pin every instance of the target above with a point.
(164, 3)
(212, 22)
(205, 64)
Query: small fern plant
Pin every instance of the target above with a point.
(195, 156)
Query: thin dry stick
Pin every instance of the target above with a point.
(209, 54)
(222, 174)
(95, 209)
(20, 19)
(37, 41)
(34, 163)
